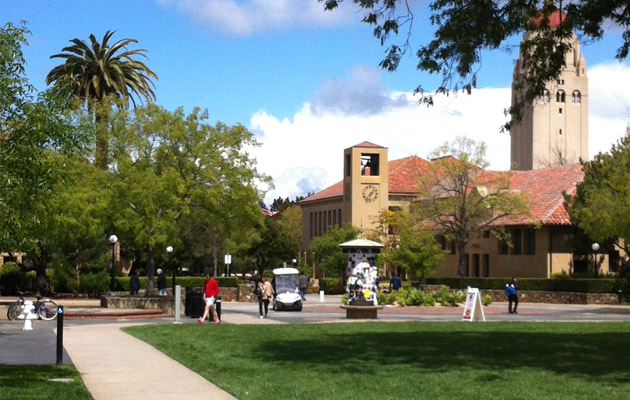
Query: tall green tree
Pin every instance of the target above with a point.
(464, 30)
(36, 130)
(274, 247)
(96, 70)
(601, 203)
(459, 199)
(169, 167)
(328, 255)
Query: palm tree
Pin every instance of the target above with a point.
(96, 70)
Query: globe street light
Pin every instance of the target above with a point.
(169, 250)
(113, 239)
(595, 248)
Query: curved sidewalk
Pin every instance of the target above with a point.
(116, 365)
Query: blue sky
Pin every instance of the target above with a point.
(305, 81)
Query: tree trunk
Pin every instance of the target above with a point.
(150, 269)
(40, 269)
(77, 272)
(461, 250)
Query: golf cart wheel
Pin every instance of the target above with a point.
(299, 306)
(274, 306)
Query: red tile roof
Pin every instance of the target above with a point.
(555, 19)
(368, 144)
(544, 188)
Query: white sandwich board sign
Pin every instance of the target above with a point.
(473, 310)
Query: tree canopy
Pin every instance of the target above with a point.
(459, 199)
(601, 204)
(328, 254)
(464, 29)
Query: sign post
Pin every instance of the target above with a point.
(228, 261)
(473, 310)
(59, 335)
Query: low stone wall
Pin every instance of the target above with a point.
(166, 304)
(539, 296)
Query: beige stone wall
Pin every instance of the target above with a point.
(318, 217)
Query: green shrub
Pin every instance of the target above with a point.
(448, 297)
(486, 300)
(11, 277)
(600, 285)
(331, 286)
(344, 299)
(94, 284)
(122, 283)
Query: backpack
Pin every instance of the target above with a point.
(509, 290)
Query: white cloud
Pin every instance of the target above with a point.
(306, 153)
(244, 17)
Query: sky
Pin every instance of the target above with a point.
(306, 82)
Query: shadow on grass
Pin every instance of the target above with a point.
(597, 356)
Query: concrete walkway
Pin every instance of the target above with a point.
(115, 365)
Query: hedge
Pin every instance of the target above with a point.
(122, 283)
(331, 286)
(602, 285)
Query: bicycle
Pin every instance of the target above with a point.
(45, 309)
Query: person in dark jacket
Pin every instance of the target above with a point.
(161, 283)
(134, 282)
(303, 285)
(510, 291)
(395, 282)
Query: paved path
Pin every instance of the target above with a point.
(115, 365)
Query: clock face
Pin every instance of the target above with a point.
(370, 193)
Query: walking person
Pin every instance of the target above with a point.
(161, 283)
(303, 285)
(266, 294)
(510, 291)
(395, 282)
(210, 293)
(134, 282)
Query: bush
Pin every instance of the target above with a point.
(331, 286)
(448, 297)
(601, 285)
(486, 300)
(11, 277)
(122, 283)
(95, 283)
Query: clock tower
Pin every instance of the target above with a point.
(365, 184)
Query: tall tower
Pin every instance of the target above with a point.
(365, 184)
(554, 128)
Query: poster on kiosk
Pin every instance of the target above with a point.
(473, 310)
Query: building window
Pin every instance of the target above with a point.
(369, 164)
(348, 165)
(560, 81)
(530, 242)
(559, 110)
(339, 216)
(545, 96)
(576, 98)
(453, 247)
(560, 131)
(486, 265)
(319, 224)
(476, 265)
(503, 247)
(312, 221)
(330, 223)
(441, 241)
(486, 234)
(560, 96)
(517, 239)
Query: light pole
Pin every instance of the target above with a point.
(595, 248)
(294, 263)
(169, 250)
(113, 239)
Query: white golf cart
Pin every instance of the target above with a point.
(287, 291)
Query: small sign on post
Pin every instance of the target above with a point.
(228, 261)
(473, 310)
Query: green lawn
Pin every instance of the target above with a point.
(22, 382)
(414, 360)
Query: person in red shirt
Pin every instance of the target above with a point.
(210, 293)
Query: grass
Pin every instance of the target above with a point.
(25, 382)
(412, 360)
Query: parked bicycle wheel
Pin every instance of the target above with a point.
(14, 311)
(47, 310)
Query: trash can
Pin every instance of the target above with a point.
(187, 301)
(196, 305)
(217, 307)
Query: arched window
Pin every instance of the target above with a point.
(545, 97)
(576, 97)
(560, 96)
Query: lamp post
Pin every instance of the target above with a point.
(595, 248)
(294, 263)
(169, 250)
(113, 239)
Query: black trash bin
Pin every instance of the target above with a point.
(187, 301)
(197, 304)
(217, 306)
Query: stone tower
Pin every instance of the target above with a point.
(365, 184)
(554, 128)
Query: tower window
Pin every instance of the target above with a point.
(576, 98)
(561, 131)
(560, 81)
(545, 97)
(560, 96)
(369, 164)
(559, 110)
